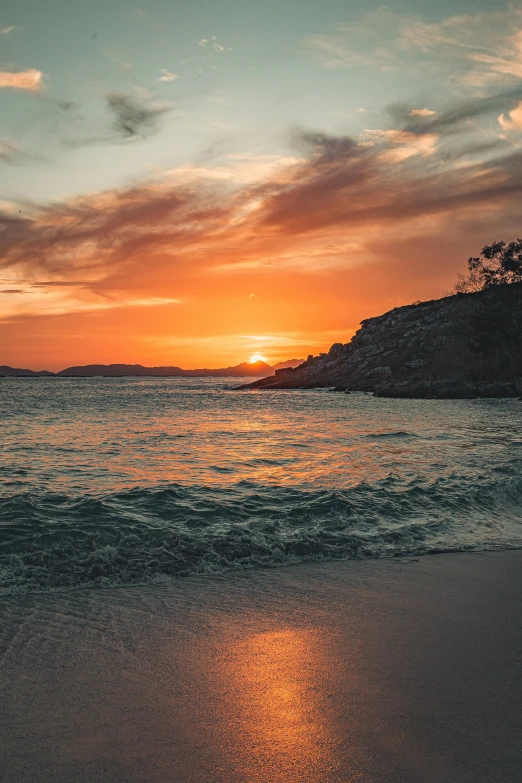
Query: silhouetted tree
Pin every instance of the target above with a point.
(466, 284)
(497, 264)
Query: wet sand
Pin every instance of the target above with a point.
(375, 672)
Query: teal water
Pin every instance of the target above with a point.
(108, 481)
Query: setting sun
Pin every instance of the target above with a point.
(256, 358)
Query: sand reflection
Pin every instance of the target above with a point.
(283, 734)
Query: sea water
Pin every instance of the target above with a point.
(109, 481)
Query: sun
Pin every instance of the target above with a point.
(256, 357)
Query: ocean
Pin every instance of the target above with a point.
(121, 481)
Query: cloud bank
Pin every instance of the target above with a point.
(326, 209)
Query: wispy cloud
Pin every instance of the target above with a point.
(7, 30)
(10, 153)
(167, 76)
(422, 113)
(485, 46)
(474, 48)
(53, 299)
(402, 144)
(132, 118)
(334, 51)
(30, 80)
(324, 211)
(239, 170)
(13, 154)
(458, 116)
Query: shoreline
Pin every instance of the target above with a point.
(381, 671)
(403, 390)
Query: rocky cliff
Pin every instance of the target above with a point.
(466, 345)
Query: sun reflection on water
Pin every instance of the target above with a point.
(283, 730)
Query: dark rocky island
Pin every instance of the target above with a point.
(462, 346)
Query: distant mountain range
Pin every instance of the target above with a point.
(17, 371)
(245, 369)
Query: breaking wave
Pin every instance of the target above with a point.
(58, 540)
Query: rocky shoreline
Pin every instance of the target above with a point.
(460, 347)
(450, 390)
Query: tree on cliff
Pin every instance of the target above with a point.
(497, 264)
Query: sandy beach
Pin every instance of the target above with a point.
(376, 672)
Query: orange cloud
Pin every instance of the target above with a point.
(30, 80)
(422, 112)
(405, 144)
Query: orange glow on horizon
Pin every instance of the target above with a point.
(182, 297)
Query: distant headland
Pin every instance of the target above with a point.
(462, 346)
(245, 369)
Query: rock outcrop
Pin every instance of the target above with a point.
(467, 345)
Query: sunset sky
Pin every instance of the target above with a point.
(192, 183)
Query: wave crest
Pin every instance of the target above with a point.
(52, 540)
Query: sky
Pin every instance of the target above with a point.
(194, 183)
